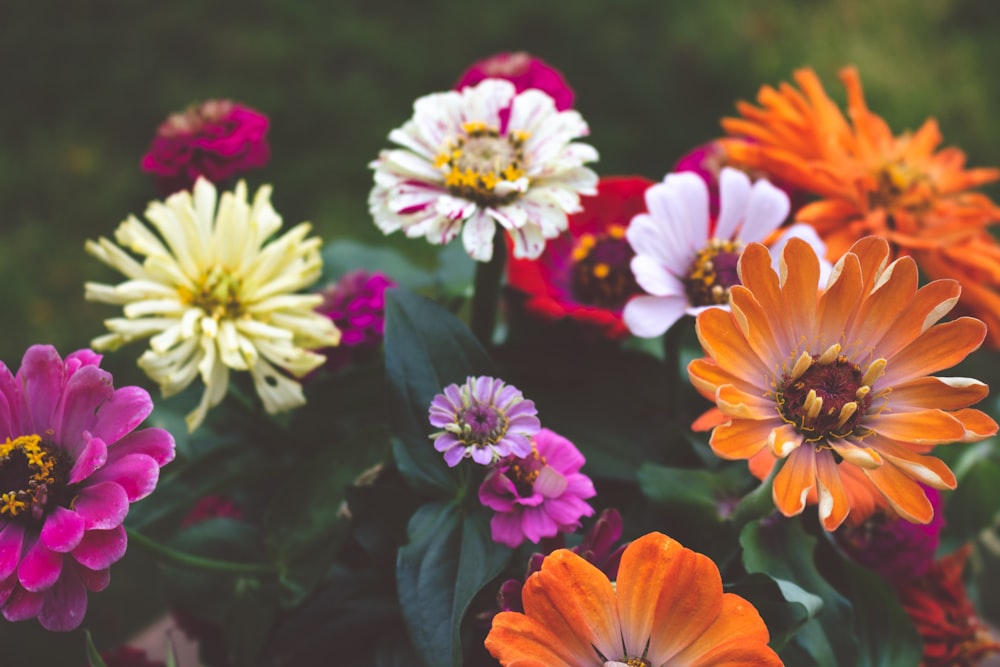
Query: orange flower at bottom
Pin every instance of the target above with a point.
(836, 385)
(666, 608)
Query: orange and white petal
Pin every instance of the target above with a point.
(838, 303)
(918, 313)
(740, 404)
(944, 393)
(741, 438)
(880, 311)
(755, 325)
(833, 503)
(926, 469)
(737, 637)
(922, 427)
(795, 481)
(800, 287)
(707, 376)
(575, 601)
(722, 340)
(903, 493)
(757, 276)
(942, 346)
(783, 440)
(516, 639)
(978, 424)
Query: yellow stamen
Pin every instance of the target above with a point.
(601, 270)
(874, 372)
(829, 356)
(802, 364)
(846, 412)
(862, 392)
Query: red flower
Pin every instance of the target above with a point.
(216, 139)
(524, 71)
(585, 275)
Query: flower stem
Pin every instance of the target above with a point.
(190, 561)
(757, 504)
(487, 294)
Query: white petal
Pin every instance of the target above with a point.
(734, 190)
(651, 316)
(766, 210)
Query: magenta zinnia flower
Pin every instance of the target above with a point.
(356, 304)
(525, 71)
(216, 139)
(71, 461)
(538, 495)
(485, 419)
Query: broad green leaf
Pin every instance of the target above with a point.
(345, 255)
(449, 559)
(975, 504)
(783, 615)
(883, 629)
(426, 349)
(698, 493)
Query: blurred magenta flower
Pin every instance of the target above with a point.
(485, 419)
(539, 495)
(356, 304)
(216, 139)
(71, 464)
(524, 71)
(129, 656)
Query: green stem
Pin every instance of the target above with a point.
(757, 504)
(190, 561)
(487, 294)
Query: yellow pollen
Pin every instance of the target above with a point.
(441, 160)
(39, 474)
(616, 232)
(601, 270)
(474, 126)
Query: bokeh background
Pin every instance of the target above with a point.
(84, 84)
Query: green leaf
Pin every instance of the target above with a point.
(449, 559)
(94, 658)
(781, 549)
(783, 614)
(426, 349)
(345, 255)
(883, 628)
(697, 493)
(249, 622)
(975, 504)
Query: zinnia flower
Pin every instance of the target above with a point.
(666, 609)
(71, 462)
(356, 304)
(836, 386)
(685, 260)
(939, 607)
(538, 495)
(217, 293)
(585, 275)
(465, 166)
(216, 139)
(483, 418)
(871, 182)
(525, 71)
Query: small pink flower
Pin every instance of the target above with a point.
(217, 139)
(356, 304)
(524, 71)
(538, 495)
(71, 462)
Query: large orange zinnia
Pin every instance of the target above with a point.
(872, 182)
(666, 608)
(836, 384)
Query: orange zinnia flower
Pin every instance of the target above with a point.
(872, 182)
(666, 608)
(837, 382)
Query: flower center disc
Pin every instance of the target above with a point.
(482, 165)
(482, 425)
(713, 272)
(32, 477)
(218, 294)
(827, 400)
(601, 274)
(525, 471)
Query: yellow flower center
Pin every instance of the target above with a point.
(32, 475)
(826, 396)
(481, 164)
(712, 273)
(601, 274)
(217, 293)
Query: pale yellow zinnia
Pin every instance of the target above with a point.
(214, 292)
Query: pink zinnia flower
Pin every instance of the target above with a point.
(538, 495)
(484, 419)
(524, 71)
(356, 304)
(71, 461)
(217, 139)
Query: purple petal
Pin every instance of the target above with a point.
(41, 376)
(519, 445)
(99, 549)
(536, 524)
(497, 492)
(549, 482)
(62, 531)
(65, 605)
(154, 442)
(81, 358)
(580, 485)
(506, 529)
(136, 473)
(482, 455)
(123, 413)
(40, 568)
(445, 442)
(22, 605)
(567, 510)
(102, 505)
(453, 455)
(7, 587)
(11, 541)
(10, 404)
(559, 452)
(92, 457)
(94, 580)
(75, 415)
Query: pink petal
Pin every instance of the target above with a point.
(22, 605)
(41, 376)
(63, 530)
(506, 529)
(154, 442)
(536, 524)
(80, 359)
(549, 482)
(7, 587)
(136, 473)
(40, 568)
(94, 580)
(84, 392)
(102, 505)
(123, 413)
(11, 541)
(99, 549)
(65, 605)
(93, 455)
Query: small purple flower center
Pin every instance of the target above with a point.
(482, 425)
(601, 274)
(524, 472)
(481, 164)
(32, 477)
(712, 273)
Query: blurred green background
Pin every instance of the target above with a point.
(86, 82)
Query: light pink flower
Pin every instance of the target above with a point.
(525, 71)
(538, 495)
(71, 462)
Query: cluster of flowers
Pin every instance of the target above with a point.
(819, 345)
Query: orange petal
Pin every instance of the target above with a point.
(838, 303)
(978, 424)
(761, 463)
(708, 420)
(516, 639)
(667, 596)
(942, 346)
(833, 504)
(755, 323)
(723, 341)
(924, 427)
(739, 404)
(707, 376)
(794, 481)
(880, 310)
(783, 440)
(927, 469)
(757, 276)
(574, 600)
(873, 254)
(945, 393)
(741, 438)
(905, 495)
(800, 287)
(737, 637)
(928, 305)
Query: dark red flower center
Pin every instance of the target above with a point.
(713, 272)
(601, 274)
(32, 477)
(524, 472)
